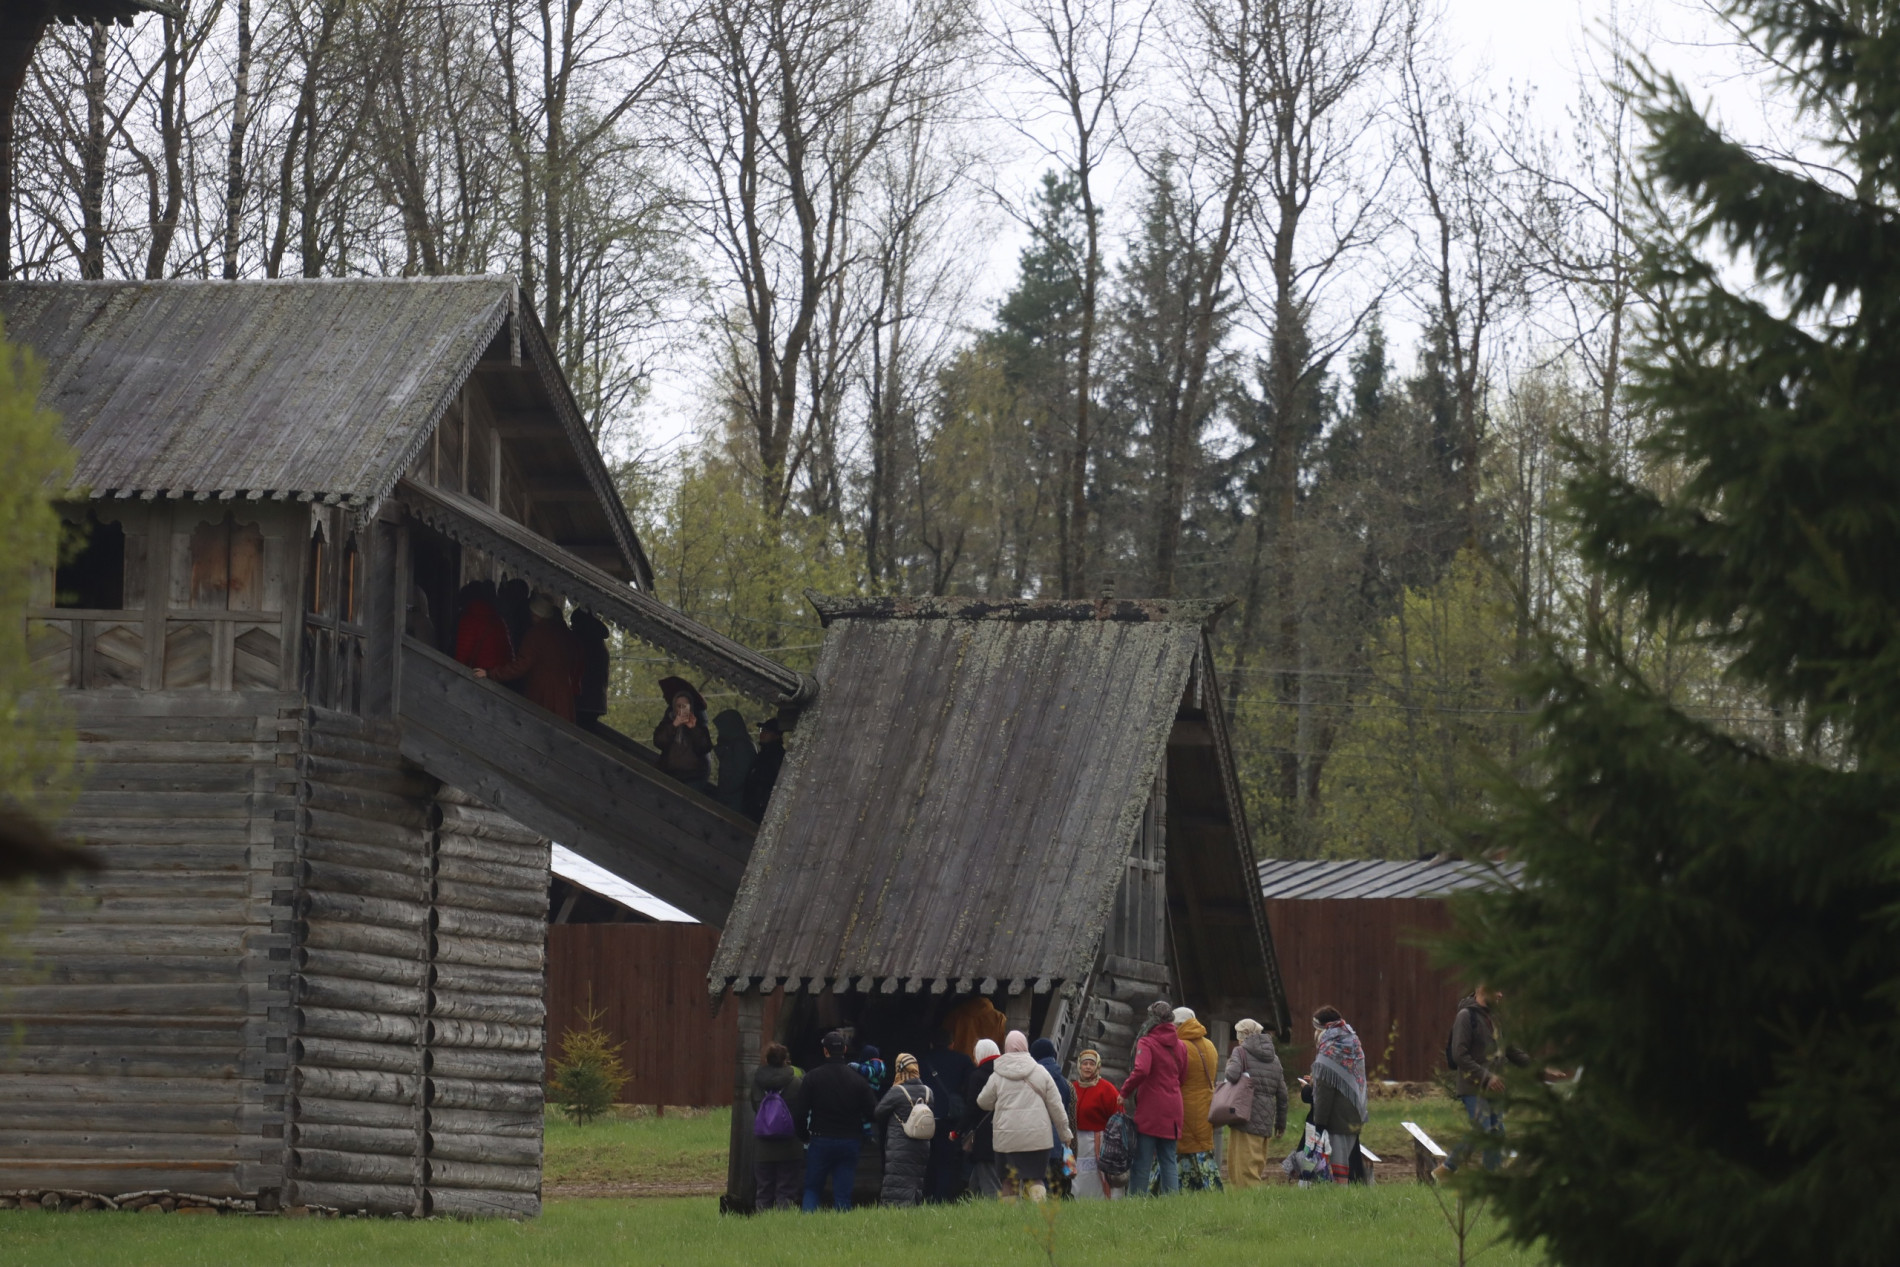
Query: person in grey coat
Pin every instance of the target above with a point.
(905, 1159)
(1254, 1058)
(778, 1165)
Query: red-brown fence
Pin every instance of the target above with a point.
(649, 982)
(1358, 954)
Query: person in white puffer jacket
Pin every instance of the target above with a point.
(1025, 1103)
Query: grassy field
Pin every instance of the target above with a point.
(1389, 1226)
(638, 1150)
(681, 1151)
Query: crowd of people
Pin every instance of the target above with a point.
(519, 638)
(978, 1118)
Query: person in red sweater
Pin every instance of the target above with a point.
(481, 639)
(1096, 1100)
(549, 664)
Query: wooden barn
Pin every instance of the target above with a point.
(311, 971)
(1030, 802)
(1353, 934)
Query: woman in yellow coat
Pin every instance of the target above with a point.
(1195, 1151)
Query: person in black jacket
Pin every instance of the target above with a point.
(946, 1072)
(831, 1106)
(905, 1159)
(763, 776)
(979, 1146)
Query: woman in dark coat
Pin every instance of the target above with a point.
(684, 744)
(905, 1159)
(778, 1165)
(979, 1145)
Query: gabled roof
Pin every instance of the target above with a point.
(1284, 879)
(316, 389)
(960, 803)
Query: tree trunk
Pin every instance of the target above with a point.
(92, 189)
(234, 155)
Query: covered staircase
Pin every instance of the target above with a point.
(600, 798)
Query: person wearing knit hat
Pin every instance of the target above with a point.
(906, 1158)
(1026, 1107)
(975, 1130)
(1155, 1083)
(1194, 1152)
(1096, 1100)
(1255, 1059)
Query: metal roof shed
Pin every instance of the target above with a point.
(1032, 801)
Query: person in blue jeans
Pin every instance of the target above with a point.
(1477, 1053)
(1155, 1086)
(831, 1106)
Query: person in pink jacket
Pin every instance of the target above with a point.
(1155, 1088)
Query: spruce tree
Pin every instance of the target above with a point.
(1711, 930)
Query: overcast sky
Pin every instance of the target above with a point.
(1500, 48)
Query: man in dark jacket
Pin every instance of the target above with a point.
(1477, 1053)
(763, 776)
(734, 749)
(831, 1106)
(590, 638)
(946, 1072)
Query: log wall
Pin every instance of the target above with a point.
(150, 1000)
(419, 1022)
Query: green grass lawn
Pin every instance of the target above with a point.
(637, 1149)
(1390, 1226)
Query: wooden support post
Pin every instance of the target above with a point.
(741, 1193)
(158, 589)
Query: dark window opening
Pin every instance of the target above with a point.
(91, 571)
(351, 581)
(315, 590)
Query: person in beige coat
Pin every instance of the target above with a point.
(1025, 1107)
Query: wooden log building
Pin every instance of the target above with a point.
(311, 970)
(1028, 801)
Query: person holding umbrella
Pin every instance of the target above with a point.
(684, 741)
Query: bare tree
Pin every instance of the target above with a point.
(781, 106)
(1087, 56)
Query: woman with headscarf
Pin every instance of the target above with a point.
(1338, 1087)
(1255, 1059)
(1194, 1152)
(977, 1136)
(1044, 1050)
(1096, 1100)
(684, 742)
(905, 1159)
(1155, 1083)
(1025, 1102)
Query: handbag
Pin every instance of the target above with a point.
(1233, 1102)
(920, 1122)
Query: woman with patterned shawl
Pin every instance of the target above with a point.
(1338, 1087)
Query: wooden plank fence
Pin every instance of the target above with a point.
(1359, 954)
(649, 980)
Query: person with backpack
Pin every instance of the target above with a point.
(1475, 1052)
(1025, 1105)
(1097, 1102)
(830, 1106)
(906, 1121)
(1255, 1059)
(1060, 1171)
(1155, 1084)
(778, 1158)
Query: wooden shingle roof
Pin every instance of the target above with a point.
(960, 803)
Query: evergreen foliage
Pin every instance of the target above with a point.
(589, 1073)
(1708, 928)
(36, 740)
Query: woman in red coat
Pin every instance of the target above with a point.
(481, 639)
(1160, 1064)
(1096, 1100)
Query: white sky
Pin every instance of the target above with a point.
(1500, 48)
